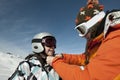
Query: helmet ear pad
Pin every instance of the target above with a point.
(37, 47)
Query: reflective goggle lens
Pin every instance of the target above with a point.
(49, 42)
(82, 29)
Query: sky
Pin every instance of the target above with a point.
(20, 20)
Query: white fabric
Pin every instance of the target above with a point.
(36, 71)
(111, 23)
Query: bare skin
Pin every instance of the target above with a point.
(49, 51)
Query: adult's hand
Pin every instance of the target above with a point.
(59, 55)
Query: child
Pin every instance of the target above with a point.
(34, 67)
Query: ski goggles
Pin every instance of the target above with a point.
(48, 41)
(83, 28)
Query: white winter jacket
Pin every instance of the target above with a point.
(32, 70)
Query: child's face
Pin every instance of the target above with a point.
(49, 50)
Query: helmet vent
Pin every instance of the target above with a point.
(35, 47)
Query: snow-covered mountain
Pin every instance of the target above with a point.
(8, 64)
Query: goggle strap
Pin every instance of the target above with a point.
(36, 40)
(95, 19)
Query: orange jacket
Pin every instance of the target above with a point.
(105, 65)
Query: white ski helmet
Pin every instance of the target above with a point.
(37, 46)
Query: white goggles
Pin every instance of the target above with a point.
(83, 28)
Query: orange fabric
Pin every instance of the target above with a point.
(94, 44)
(77, 59)
(117, 78)
(105, 65)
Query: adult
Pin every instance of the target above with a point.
(100, 61)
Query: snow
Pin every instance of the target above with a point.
(8, 64)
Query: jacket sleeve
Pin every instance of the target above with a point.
(21, 72)
(77, 59)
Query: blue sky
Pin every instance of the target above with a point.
(20, 20)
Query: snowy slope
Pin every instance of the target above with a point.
(8, 64)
